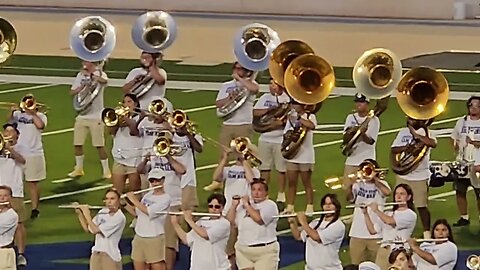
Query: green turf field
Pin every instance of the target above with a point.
(55, 225)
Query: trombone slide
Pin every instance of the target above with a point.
(142, 191)
(310, 214)
(364, 205)
(195, 214)
(71, 206)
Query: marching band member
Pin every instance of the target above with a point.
(302, 164)
(173, 171)
(365, 147)
(148, 245)
(89, 119)
(8, 226)
(257, 246)
(126, 141)
(363, 245)
(107, 226)
(208, 237)
(149, 67)
(323, 235)
(465, 146)
(394, 225)
(270, 143)
(31, 123)
(12, 165)
(440, 255)
(237, 179)
(401, 258)
(239, 122)
(418, 178)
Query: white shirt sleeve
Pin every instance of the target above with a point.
(15, 115)
(398, 140)
(457, 129)
(77, 81)
(447, 253)
(109, 228)
(43, 117)
(190, 238)
(222, 93)
(256, 173)
(131, 75)
(225, 173)
(354, 192)
(405, 219)
(373, 128)
(312, 118)
(219, 231)
(261, 103)
(154, 209)
(9, 220)
(348, 123)
(332, 233)
(267, 212)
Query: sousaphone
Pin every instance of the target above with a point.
(8, 40)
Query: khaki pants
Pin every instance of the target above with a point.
(171, 238)
(101, 261)
(258, 258)
(8, 260)
(270, 154)
(363, 249)
(19, 206)
(189, 198)
(419, 188)
(148, 250)
(229, 132)
(382, 257)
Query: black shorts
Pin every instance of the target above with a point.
(462, 185)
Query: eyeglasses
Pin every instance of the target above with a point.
(151, 180)
(216, 206)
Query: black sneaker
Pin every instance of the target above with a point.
(35, 213)
(461, 222)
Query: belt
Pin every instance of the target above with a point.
(7, 246)
(262, 244)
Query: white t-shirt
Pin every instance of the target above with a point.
(11, 172)
(210, 254)
(95, 109)
(366, 193)
(422, 172)
(445, 255)
(153, 224)
(236, 183)
(252, 233)
(111, 228)
(172, 179)
(30, 135)
(324, 255)
(156, 90)
(187, 159)
(362, 150)
(306, 154)
(149, 131)
(268, 101)
(125, 149)
(405, 221)
(463, 128)
(8, 226)
(243, 115)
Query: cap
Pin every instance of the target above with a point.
(368, 266)
(359, 97)
(156, 174)
(13, 125)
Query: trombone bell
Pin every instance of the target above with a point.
(3, 141)
(309, 79)
(377, 73)
(154, 31)
(422, 93)
(8, 40)
(473, 262)
(92, 38)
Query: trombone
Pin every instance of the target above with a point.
(111, 116)
(368, 170)
(163, 145)
(4, 141)
(243, 146)
(178, 119)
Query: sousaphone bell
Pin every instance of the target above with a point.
(8, 40)
(154, 31)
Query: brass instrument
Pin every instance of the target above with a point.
(8, 105)
(367, 171)
(152, 32)
(393, 268)
(266, 122)
(111, 116)
(241, 94)
(91, 89)
(243, 146)
(178, 119)
(422, 94)
(163, 145)
(29, 103)
(8, 40)
(3, 142)
(473, 262)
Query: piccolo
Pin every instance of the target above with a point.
(4, 203)
(141, 191)
(195, 214)
(71, 206)
(308, 214)
(399, 242)
(383, 204)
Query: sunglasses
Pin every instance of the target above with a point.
(216, 206)
(151, 180)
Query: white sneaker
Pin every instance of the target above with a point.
(134, 222)
(289, 209)
(309, 210)
(107, 175)
(281, 197)
(76, 173)
(213, 186)
(21, 260)
(427, 235)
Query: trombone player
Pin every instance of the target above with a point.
(89, 83)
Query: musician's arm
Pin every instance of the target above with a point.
(259, 112)
(251, 85)
(199, 230)
(156, 74)
(368, 222)
(398, 146)
(131, 80)
(142, 167)
(130, 209)
(430, 142)
(16, 156)
(223, 97)
(77, 85)
(232, 212)
(218, 173)
(102, 79)
(389, 220)
(294, 229)
(132, 126)
(180, 232)
(82, 220)
(37, 120)
(178, 167)
(373, 128)
(384, 189)
(113, 130)
(350, 192)
(427, 256)
(252, 212)
(312, 233)
(74, 91)
(248, 171)
(91, 226)
(308, 123)
(398, 149)
(196, 145)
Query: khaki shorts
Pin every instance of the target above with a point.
(382, 257)
(363, 249)
(171, 238)
(19, 206)
(270, 154)
(121, 169)
(419, 188)
(229, 132)
(148, 250)
(8, 260)
(264, 258)
(83, 126)
(232, 240)
(35, 168)
(299, 167)
(101, 261)
(189, 198)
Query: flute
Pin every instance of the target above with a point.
(195, 214)
(309, 214)
(141, 191)
(4, 203)
(365, 205)
(71, 206)
(399, 242)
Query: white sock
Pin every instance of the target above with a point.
(281, 197)
(464, 217)
(427, 234)
(79, 162)
(105, 165)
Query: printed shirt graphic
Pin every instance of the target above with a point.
(30, 135)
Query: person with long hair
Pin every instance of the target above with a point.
(126, 145)
(401, 259)
(395, 225)
(440, 254)
(323, 235)
(107, 226)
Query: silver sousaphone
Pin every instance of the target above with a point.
(92, 39)
(152, 32)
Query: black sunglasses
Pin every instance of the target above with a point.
(151, 180)
(216, 206)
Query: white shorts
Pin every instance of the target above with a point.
(35, 168)
(271, 154)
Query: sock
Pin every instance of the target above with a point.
(79, 162)
(464, 217)
(105, 165)
(281, 197)
(427, 235)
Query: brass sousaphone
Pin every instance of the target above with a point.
(8, 40)
(422, 94)
(376, 75)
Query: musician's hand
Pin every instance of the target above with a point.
(236, 76)
(131, 196)
(236, 201)
(291, 220)
(138, 78)
(14, 108)
(373, 206)
(85, 209)
(174, 219)
(188, 215)
(413, 132)
(30, 112)
(412, 242)
(245, 200)
(364, 209)
(302, 218)
(468, 140)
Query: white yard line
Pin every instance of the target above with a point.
(27, 88)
